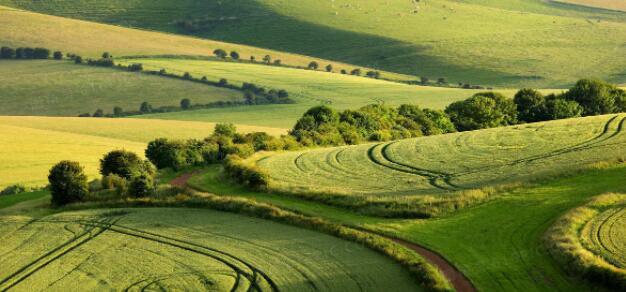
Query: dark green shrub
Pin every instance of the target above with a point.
(234, 55)
(7, 53)
(58, 55)
(481, 111)
(530, 104)
(228, 130)
(329, 68)
(118, 111)
(68, 183)
(116, 183)
(220, 53)
(13, 190)
(125, 164)
(142, 186)
(145, 107)
(185, 103)
(313, 65)
(555, 108)
(596, 97)
(41, 53)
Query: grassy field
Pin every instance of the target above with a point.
(184, 249)
(605, 234)
(498, 245)
(405, 170)
(605, 4)
(63, 88)
(308, 88)
(31, 145)
(493, 42)
(92, 39)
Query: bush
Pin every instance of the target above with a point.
(481, 111)
(223, 82)
(227, 130)
(78, 60)
(555, 107)
(145, 107)
(125, 164)
(373, 74)
(313, 65)
(239, 170)
(41, 53)
(118, 111)
(58, 55)
(356, 72)
(424, 80)
(68, 183)
(115, 182)
(530, 105)
(278, 62)
(220, 53)
(329, 68)
(185, 103)
(98, 113)
(135, 67)
(13, 190)
(234, 55)
(142, 186)
(267, 59)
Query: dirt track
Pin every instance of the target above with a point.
(456, 278)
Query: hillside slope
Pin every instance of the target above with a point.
(502, 43)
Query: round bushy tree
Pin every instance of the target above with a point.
(234, 55)
(58, 55)
(123, 163)
(529, 105)
(313, 65)
(185, 103)
(483, 110)
(595, 96)
(68, 183)
(220, 53)
(142, 186)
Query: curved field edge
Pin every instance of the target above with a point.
(425, 274)
(564, 242)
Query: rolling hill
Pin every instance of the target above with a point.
(503, 43)
(33, 144)
(604, 4)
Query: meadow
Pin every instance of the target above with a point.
(61, 88)
(605, 4)
(31, 145)
(412, 170)
(221, 252)
(503, 43)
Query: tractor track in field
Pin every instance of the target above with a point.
(52, 255)
(458, 280)
(95, 228)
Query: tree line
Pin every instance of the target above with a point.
(25, 53)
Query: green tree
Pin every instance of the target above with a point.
(329, 68)
(142, 186)
(145, 107)
(556, 107)
(234, 55)
(68, 183)
(595, 96)
(98, 113)
(313, 65)
(118, 111)
(58, 55)
(227, 130)
(7, 53)
(483, 110)
(267, 59)
(125, 164)
(220, 53)
(530, 104)
(185, 103)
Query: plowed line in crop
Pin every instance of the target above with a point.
(198, 249)
(611, 255)
(52, 255)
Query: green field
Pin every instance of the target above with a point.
(63, 88)
(407, 169)
(491, 42)
(605, 235)
(92, 39)
(183, 249)
(31, 145)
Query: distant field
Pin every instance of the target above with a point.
(506, 43)
(62, 88)
(31, 145)
(92, 39)
(606, 4)
(184, 249)
(308, 87)
(451, 162)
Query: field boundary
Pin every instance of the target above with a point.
(564, 243)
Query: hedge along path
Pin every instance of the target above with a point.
(591, 240)
(206, 249)
(459, 281)
(438, 165)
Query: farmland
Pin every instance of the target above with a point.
(61, 88)
(221, 251)
(31, 145)
(505, 43)
(604, 234)
(406, 170)
(605, 4)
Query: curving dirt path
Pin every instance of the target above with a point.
(459, 281)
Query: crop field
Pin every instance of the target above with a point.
(63, 88)
(606, 4)
(183, 249)
(451, 162)
(92, 39)
(605, 235)
(31, 145)
(504, 43)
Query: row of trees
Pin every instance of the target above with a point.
(123, 174)
(488, 109)
(28, 53)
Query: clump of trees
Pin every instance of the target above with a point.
(14, 190)
(487, 109)
(224, 141)
(127, 174)
(324, 126)
(24, 53)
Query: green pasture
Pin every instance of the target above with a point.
(605, 235)
(510, 43)
(184, 249)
